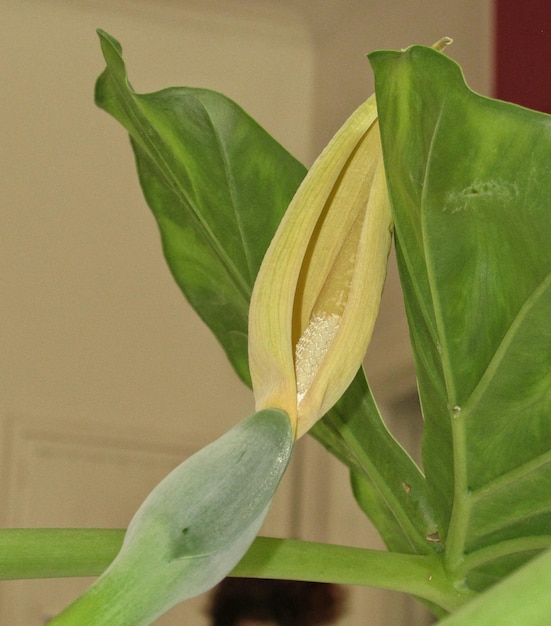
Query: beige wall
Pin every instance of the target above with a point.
(92, 322)
(97, 343)
(345, 31)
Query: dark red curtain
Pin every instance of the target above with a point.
(523, 52)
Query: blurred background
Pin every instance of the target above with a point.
(108, 377)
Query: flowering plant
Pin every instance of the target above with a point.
(287, 269)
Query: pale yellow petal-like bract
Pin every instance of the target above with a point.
(318, 290)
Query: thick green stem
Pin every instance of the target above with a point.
(57, 552)
(120, 599)
(419, 575)
(47, 553)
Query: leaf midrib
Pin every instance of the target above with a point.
(128, 99)
(231, 189)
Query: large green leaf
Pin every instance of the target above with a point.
(470, 184)
(217, 184)
(193, 528)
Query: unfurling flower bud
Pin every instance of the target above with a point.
(317, 294)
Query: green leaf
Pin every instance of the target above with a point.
(193, 528)
(470, 184)
(387, 484)
(522, 598)
(218, 185)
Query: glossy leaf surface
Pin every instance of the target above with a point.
(469, 179)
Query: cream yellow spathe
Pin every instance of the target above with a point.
(318, 291)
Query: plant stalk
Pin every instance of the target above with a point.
(52, 552)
